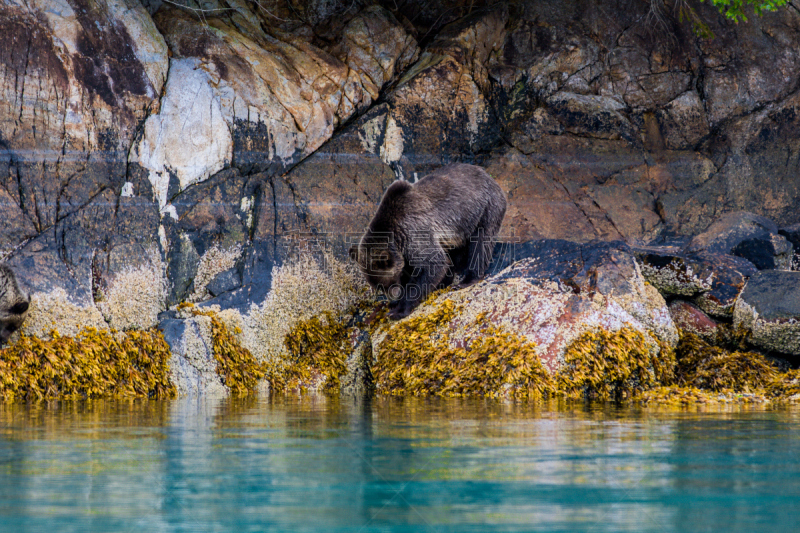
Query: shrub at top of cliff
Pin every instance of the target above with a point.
(92, 364)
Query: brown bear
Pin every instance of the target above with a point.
(426, 234)
(14, 303)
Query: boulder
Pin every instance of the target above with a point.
(562, 291)
(792, 234)
(690, 318)
(712, 280)
(769, 309)
(746, 235)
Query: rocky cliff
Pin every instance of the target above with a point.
(153, 153)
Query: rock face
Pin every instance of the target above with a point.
(769, 308)
(149, 151)
(746, 235)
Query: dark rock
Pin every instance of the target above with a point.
(792, 234)
(575, 265)
(690, 318)
(224, 282)
(731, 274)
(182, 261)
(774, 252)
(769, 308)
(169, 314)
(746, 235)
(713, 279)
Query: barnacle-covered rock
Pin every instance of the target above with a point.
(769, 309)
(192, 366)
(713, 280)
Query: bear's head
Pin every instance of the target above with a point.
(12, 318)
(14, 303)
(380, 262)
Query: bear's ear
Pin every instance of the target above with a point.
(354, 252)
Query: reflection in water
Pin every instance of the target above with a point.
(317, 463)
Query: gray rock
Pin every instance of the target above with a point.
(792, 234)
(225, 282)
(746, 235)
(769, 308)
(192, 366)
(182, 263)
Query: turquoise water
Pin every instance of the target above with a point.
(316, 464)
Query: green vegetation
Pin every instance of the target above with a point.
(734, 10)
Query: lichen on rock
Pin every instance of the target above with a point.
(419, 356)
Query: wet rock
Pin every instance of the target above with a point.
(563, 290)
(690, 318)
(769, 308)
(675, 274)
(746, 235)
(731, 276)
(358, 379)
(792, 234)
(192, 365)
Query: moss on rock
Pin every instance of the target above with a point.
(419, 357)
(712, 368)
(614, 365)
(318, 349)
(95, 363)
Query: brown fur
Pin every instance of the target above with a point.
(14, 303)
(425, 234)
